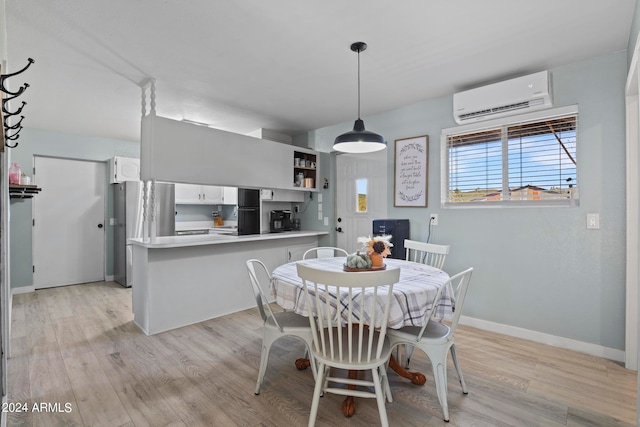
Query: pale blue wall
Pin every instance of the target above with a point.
(55, 144)
(535, 268)
(633, 33)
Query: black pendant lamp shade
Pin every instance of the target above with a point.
(359, 140)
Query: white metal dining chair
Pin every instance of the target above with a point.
(436, 339)
(426, 253)
(276, 324)
(352, 337)
(324, 252)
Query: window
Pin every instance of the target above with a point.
(528, 163)
(361, 195)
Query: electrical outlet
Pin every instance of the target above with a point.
(433, 219)
(593, 221)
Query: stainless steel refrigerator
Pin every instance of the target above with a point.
(127, 205)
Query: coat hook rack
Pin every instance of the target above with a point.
(17, 127)
(6, 76)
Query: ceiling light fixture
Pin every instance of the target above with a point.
(359, 140)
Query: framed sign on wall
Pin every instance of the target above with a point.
(411, 171)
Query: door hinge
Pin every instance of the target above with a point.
(34, 223)
(34, 269)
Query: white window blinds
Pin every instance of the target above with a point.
(528, 163)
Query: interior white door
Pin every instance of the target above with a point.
(69, 222)
(361, 196)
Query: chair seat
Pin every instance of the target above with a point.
(354, 364)
(435, 331)
(289, 320)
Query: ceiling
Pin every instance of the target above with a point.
(283, 65)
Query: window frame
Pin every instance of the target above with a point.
(497, 123)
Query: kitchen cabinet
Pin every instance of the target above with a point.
(211, 195)
(258, 163)
(294, 253)
(123, 169)
(192, 194)
(230, 195)
(282, 196)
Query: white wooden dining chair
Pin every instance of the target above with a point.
(324, 252)
(352, 337)
(426, 253)
(276, 324)
(436, 339)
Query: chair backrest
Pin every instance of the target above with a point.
(459, 283)
(263, 305)
(360, 322)
(324, 252)
(426, 253)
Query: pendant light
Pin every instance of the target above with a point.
(359, 140)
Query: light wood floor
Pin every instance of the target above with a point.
(78, 345)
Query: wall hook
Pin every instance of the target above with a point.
(6, 125)
(9, 113)
(3, 77)
(14, 136)
(16, 93)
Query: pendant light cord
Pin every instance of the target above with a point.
(358, 84)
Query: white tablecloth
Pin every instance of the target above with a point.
(414, 292)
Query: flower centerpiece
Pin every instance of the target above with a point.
(377, 248)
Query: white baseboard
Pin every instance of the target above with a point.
(109, 278)
(542, 338)
(22, 290)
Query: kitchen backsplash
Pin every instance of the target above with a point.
(203, 213)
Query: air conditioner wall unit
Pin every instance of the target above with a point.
(515, 96)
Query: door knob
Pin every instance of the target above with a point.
(100, 226)
(339, 229)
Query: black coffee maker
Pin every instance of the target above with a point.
(280, 220)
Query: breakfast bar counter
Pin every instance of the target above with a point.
(181, 280)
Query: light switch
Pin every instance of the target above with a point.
(593, 221)
(326, 220)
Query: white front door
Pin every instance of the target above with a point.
(69, 222)
(361, 196)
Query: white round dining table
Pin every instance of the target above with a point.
(413, 294)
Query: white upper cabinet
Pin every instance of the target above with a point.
(212, 195)
(188, 194)
(123, 169)
(230, 196)
(248, 162)
(193, 194)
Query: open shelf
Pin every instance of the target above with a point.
(17, 191)
(303, 165)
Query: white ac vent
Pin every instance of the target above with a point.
(515, 96)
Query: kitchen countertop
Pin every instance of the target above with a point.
(215, 239)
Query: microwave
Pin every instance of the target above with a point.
(279, 221)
